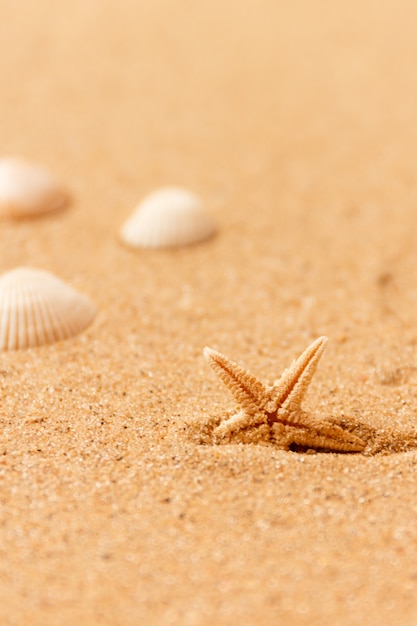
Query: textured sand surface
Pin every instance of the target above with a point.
(297, 123)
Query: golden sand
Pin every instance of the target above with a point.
(296, 123)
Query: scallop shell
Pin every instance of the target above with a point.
(28, 190)
(36, 308)
(168, 217)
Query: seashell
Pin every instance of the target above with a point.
(168, 217)
(28, 190)
(36, 308)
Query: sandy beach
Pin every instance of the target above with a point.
(295, 122)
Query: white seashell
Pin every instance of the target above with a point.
(168, 217)
(28, 190)
(36, 308)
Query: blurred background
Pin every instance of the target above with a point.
(290, 118)
(208, 92)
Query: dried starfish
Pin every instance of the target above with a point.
(278, 406)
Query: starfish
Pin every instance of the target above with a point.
(277, 407)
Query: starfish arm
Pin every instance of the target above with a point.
(240, 421)
(249, 392)
(288, 392)
(316, 434)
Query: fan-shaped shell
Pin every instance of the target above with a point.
(27, 190)
(168, 217)
(36, 308)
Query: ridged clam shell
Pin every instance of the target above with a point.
(36, 308)
(27, 190)
(168, 217)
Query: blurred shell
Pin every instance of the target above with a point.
(28, 190)
(36, 308)
(168, 217)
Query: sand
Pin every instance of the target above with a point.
(296, 122)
